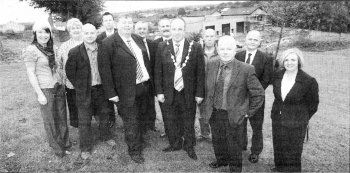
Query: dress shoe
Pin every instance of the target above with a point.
(111, 142)
(217, 164)
(137, 159)
(253, 158)
(110, 123)
(171, 149)
(163, 135)
(192, 155)
(203, 138)
(275, 169)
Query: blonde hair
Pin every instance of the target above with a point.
(73, 22)
(41, 25)
(297, 52)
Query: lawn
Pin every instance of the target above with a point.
(24, 147)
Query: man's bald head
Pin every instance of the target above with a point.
(227, 48)
(89, 33)
(209, 37)
(253, 40)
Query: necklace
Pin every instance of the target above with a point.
(177, 65)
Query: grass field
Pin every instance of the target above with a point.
(24, 147)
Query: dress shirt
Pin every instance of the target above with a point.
(286, 86)
(181, 48)
(139, 58)
(164, 39)
(227, 79)
(145, 41)
(109, 33)
(91, 51)
(251, 57)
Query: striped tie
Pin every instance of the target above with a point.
(139, 74)
(177, 52)
(178, 79)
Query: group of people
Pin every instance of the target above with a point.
(120, 67)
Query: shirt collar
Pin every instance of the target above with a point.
(109, 33)
(91, 47)
(182, 42)
(126, 39)
(229, 64)
(166, 38)
(252, 52)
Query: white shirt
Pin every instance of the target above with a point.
(109, 33)
(181, 48)
(167, 38)
(139, 58)
(251, 56)
(286, 85)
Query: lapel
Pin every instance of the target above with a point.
(256, 58)
(278, 83)
(295, 89)
(185, 50)
(241, 56)
(84, 53)
(235, 71)
(212, 75)
(121, 43)
(141, 44)
(170, 47)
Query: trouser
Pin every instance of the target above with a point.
(227, 140)
(99, 108)
(132, 118)
(287, 146)
(256, 122)
(150, 117)
(204, 126)
(179, 122)
(54, 114)
(73, 109)
(112, 112)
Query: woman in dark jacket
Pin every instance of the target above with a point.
(296, 101)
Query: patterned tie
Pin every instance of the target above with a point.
(178, 79)
(177, 52)
(219, 88)
(139, 74)
(248, 60)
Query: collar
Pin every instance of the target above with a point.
(126, 39)
(252, 52)
(166, 38)
(182, 42)
(229, 64)
(215, 50)
(91, 47)
(109, 33)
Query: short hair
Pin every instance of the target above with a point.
(162, 20)
(73, 22)
(140, 22)
(123, 16)
(296, 51)
(41, 24)
(178, 18)
(106, 14)
(229, 39)
(209, 29)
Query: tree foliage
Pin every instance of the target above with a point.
(181, 11)
(88, 11)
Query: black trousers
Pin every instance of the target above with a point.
(99, 108)
(287, 146)
(73, 109)
(179, 122)
(256, 122)
(150, 118)
(133, 119)
(227, 140)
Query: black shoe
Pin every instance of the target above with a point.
(276, 169)
(217, 164)
(192, 155)
(110, 123)
(171, 149)
(253, 158)
(137, 159)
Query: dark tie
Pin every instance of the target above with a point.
(219, 88)
(248, 59)
(139, 74)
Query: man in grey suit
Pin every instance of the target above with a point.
(233, 92)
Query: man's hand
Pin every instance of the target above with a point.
(199, 100)
(42, 99)
(161, 98)
(114, 99)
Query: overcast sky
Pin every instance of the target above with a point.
(13, 10)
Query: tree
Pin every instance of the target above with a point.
(181, 11)
(85, 10)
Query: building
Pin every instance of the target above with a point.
(12, 26)
(229, 20)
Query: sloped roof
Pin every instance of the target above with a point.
(239, 11)
(200, 13)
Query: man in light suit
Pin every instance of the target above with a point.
(82, 72)
(263, 68)
(141, 29)
(108, 24)
(232, 93)
(179, 82)
(125, 73)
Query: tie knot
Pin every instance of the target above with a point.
(177, 44)
(223, 67)
(249, 54)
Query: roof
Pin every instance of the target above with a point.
(200, 13)
(239, 11)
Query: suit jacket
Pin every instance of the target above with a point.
(78, 72)
(117, 67)
(263, 66)
(244, 96)
(301, 102)
(193, 73)
(102, 36)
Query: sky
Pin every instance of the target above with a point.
(13, 10)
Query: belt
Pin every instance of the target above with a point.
(143, 83)
(219, 110)
(96, 86)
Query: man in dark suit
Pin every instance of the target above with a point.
(164, 29)
(263, 68)
(141, 29)
(125, 73)
(179, 82)
(108, 24)
(82, 72)
(232, 93)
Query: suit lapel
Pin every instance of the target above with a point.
(185, 50)
(84, 53)
(212, 75)
(123, 45)
(170, 47)
(241, 56)
(256, 60)
(234, 72)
